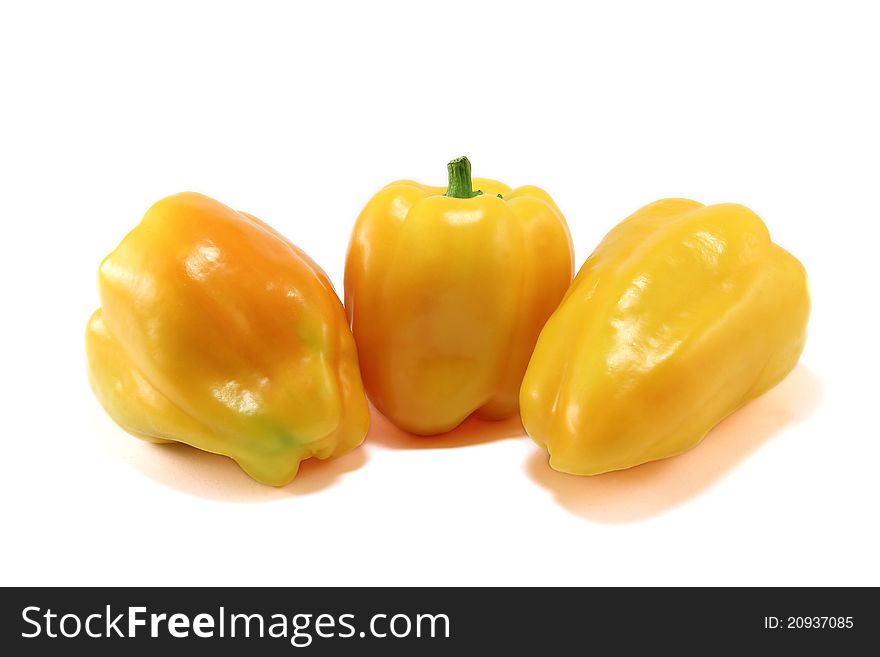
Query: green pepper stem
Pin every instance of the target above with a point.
(460, 183)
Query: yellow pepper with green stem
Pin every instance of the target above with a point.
(681, 315)
(216, 331)
(446, 289)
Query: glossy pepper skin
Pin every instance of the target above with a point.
(682, 314)
(447, 289)
(216, 331)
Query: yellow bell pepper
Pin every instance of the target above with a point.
(216, 331)
(682, 314)
(447, 289)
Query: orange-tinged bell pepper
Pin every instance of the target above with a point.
(446, 289)
(216, 331)
(680, 316)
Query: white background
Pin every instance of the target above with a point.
(298, 113)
